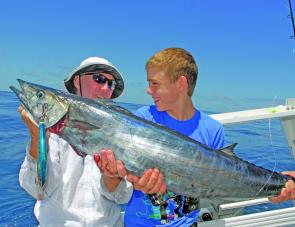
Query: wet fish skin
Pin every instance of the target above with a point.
(189, 167)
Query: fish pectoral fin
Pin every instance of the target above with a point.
(83, 125)
(229, 149)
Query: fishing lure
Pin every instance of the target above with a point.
(42, 156)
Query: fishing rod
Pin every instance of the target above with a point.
(292, 19)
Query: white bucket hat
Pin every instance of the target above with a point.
(93, 64)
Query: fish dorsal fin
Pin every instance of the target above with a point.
(229, 149)
(83, 125)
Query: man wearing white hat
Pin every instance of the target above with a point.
(76, 193)
(96, 70)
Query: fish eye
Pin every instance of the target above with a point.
(40, 94)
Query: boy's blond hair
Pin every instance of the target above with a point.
(176, 62)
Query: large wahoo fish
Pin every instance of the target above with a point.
(189, 167)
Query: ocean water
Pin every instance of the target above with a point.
(259, 142)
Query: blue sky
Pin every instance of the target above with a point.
(243, 47)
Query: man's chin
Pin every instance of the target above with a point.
(103, 96)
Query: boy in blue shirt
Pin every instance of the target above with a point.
(172, 75)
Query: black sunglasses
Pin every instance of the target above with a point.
(102, 79)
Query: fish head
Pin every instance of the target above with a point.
(41, 103)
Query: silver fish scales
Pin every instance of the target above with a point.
(189, 167)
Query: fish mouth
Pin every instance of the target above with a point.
(22, 97)
(17, 92)
(42, 104)
(21, 94)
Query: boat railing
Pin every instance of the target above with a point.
(230, 214)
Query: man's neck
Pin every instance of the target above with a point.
(183, 110)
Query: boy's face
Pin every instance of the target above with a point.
(164, 92)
